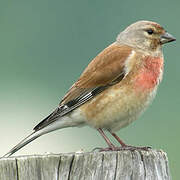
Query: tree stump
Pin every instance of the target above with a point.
(121, 165)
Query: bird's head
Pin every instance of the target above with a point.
(145, 35)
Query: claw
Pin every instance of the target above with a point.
(130, 148)
(133, 148)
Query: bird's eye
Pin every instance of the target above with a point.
(150, 31)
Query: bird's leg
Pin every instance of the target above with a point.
(111, 146)
(118, 139)
(125, 146)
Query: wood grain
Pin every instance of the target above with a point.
(122, 165)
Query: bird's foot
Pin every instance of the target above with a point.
(133, 148)
(127, 147)
(102, 149)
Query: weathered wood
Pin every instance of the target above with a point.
(122, 165)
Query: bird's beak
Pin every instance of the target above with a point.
(166, 37)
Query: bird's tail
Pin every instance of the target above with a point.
(63, 122)
(25, 141)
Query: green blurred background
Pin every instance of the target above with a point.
(45, 45)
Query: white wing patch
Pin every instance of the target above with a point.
(128, 66)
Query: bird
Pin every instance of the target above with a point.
(114, 89)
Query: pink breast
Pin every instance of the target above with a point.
(150, 74)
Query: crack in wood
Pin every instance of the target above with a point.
(142, 159)
(70, 168)
(17, 172)
(116, 166)
(58, 168)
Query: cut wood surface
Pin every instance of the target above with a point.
(121, 165)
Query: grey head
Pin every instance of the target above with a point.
(145, 35)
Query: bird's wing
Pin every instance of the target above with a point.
(104, 70)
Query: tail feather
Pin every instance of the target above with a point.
(20, 145)
(63, 122)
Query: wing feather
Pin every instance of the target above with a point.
(105, 70)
